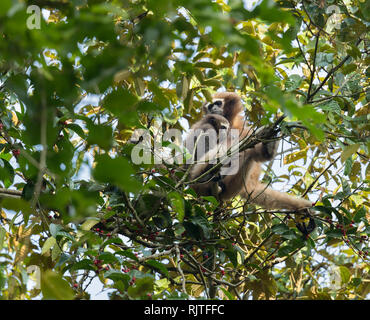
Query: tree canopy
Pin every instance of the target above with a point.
(78, 77)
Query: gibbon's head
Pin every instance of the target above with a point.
(217, 121)
(227, 104)
(214, 107)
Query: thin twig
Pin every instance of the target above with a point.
(331, 72)
(132, 209)
(43, 140)
(10, 193)
(313, 67)
(318, 177)
(178, 259)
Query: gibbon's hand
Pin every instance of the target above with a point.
(269, 145)
(270, 138)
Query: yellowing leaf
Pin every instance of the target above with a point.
(49, 243)
(54, 287)
(89, 223)
(295, 156)
(348, 151)
(55, 253)
(345, 274)
(122, 75)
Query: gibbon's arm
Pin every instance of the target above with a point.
(246, 184)
(268, 198)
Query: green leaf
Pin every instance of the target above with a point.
(85, 264)
(349, 151)
(49, 243)
(28, 191)
(228, 294)
(285, 250)
(177, 202)
(323, 59)
(331, 106)
(54, 287)
(333, 234)
(211, 199)
(142, 286)
(360, 213)
(356, 281)
(159, 96)
(54, 229)
(233, 256)
(157, 265)
(161, 284)
(2, 237)
(348, 166)
(108, 257)
(6, 173)
(64, 234)
(102, 135)
(280, 228)
(77, 129)
(117, 276)
(123, 104)
(127, 253)
(289, 235)
(5, 5)
(294, 82)
(117, 171)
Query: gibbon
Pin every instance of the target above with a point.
(245, 182)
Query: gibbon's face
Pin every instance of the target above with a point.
(224, 125)
(217, 121)
(215, 107)
(220, 124)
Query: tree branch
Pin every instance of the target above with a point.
(313, 67)
(330, 73)
(10, 193)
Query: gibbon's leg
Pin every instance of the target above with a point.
(246, 183)
(233, 184)
(262, 195)
(249, 170)
(268, 198)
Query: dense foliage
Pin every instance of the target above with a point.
(77, 80)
